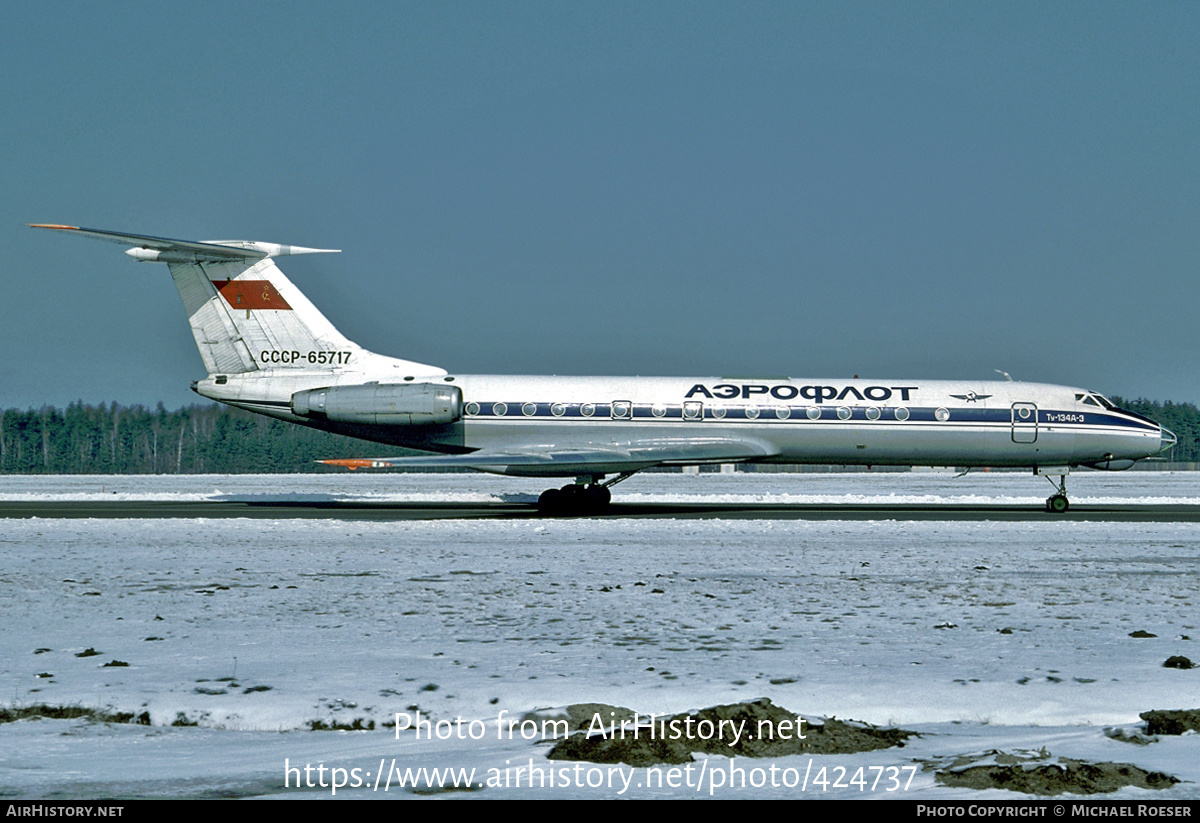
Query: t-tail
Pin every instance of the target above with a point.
(245, 314)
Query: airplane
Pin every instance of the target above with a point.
(268, 350)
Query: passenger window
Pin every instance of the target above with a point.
(717, 412)
(901, 413)
(500, 409)
(587, 409)
(844, 413)
(558, 409)
(783, 412)
(872, 413)
(752, 412)
(813, 412)
(472, 408)
(529, 409)
(942, 415)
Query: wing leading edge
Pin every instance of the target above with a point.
(553, 462)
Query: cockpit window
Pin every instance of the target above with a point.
(1093, 399)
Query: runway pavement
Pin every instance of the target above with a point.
(351, 510)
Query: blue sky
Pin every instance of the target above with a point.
(914, 190)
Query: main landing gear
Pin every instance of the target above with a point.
(1058, 502)
(587, 495)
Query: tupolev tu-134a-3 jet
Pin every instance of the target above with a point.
(267, 349)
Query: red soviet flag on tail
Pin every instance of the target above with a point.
(251, 294)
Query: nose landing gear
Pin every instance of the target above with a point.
(1058, 503)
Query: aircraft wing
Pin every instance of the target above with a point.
(563, 462)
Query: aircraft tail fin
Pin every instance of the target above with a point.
(245, 314)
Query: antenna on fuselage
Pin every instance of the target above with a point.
(1007, 376)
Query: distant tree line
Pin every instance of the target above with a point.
(196, 439)
(214, 439)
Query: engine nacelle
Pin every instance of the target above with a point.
(403, 404)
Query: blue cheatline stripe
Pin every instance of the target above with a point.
(799, 414)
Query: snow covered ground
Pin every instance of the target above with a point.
(981, 636)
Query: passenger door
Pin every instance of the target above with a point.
(1024, 422)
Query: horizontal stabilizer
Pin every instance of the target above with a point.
(165, 250)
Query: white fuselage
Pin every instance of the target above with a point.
(819, 421)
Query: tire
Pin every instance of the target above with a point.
(598, 496)
(551, 500)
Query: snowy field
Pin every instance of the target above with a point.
(984, 637)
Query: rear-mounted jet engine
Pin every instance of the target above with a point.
(408, 404)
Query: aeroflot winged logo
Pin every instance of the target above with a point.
(251, 294)
(971, 397)
(786, 391)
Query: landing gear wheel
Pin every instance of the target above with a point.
(574, 498)
(550, 500)
(598, 496)
(586, 496)
(1057, 503)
